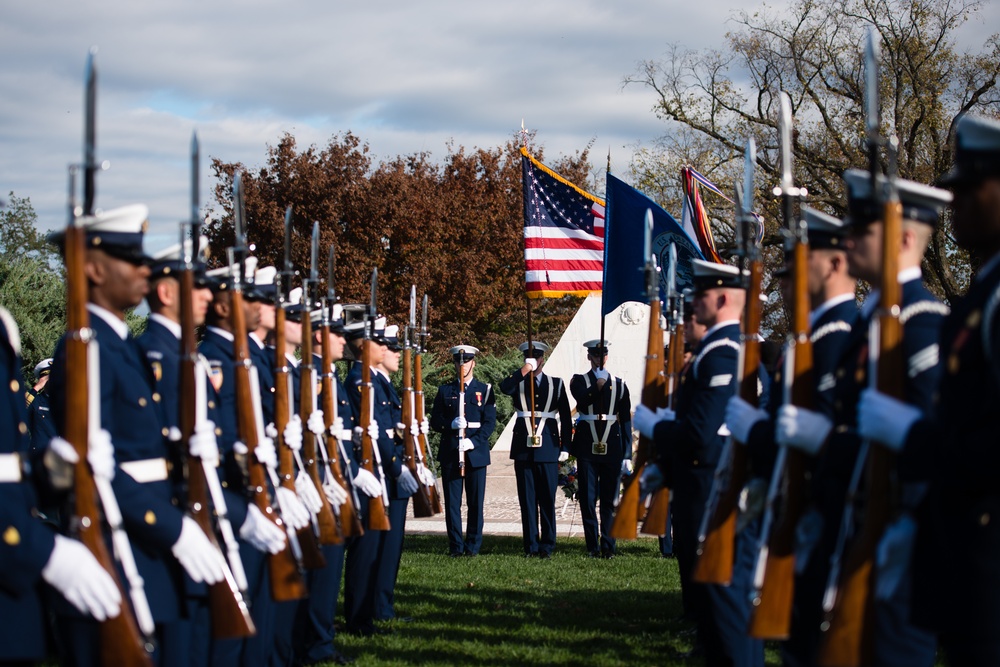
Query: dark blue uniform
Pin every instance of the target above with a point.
(537, 468)
(603, 438)
(27, 543)
(690, 448)
(481, 413)
(41, 426)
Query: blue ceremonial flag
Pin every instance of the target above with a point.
(623, 241)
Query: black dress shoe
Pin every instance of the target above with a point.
(470, 554)
(531, 554)
(544, 555)
(339, 658)
(455, 554)
(594, 553)
(608, 555)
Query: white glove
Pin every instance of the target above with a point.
(741, 417)
(307, 493)
(293, 433)
(425, 475)
(60, 461)
(459, 422)
(335, 494)
(101, 455)
(563, 456)
(602, 373)
(406, 482)
(368, 484)
(650, 480)
(292, 511)
(373, 431)
(203, 444)
(197, 555)
(73, 571)
(645, 420)
(531, 363)
(627, 468)
(337, 427)
(425, 426)
(666, 414)
(264, 451)
(885, 419)
(261, 533)
(414, 427)
(316, 425)
(465, 445)
(240, 448)
(800, 428)
(174, 434)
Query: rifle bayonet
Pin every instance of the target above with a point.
(423, 324)
(90, 166)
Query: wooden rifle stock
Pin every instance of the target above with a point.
(121, 642)
(377, 518)
(286, 579)
(658, 513)
(716, 551)
(422, 503)
(625, 524)
(418, 386)
(350, 522)
(329, 529)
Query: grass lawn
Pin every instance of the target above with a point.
(503, 609)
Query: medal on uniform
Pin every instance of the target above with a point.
(479, 398)
(600, 448)
(157, 370)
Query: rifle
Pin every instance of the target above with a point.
(655, 522)
(329, 529)
(717, 537)
(421, 408)
(286, 579)
(312, 557)
(120, 639)
(227, 598)
(350, 522)
(625, 524)
(774, 573)
(848, 630)
(370, 457)
(423, 504)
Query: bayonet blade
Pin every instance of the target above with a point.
(89, 133)
(372, 313)
(749, 163)
(413, 306)
(195, 185)
(331, 265)
(647, 239)
(286, 266)
(672, 272)
(314, 254)
(785, 139)
(238, 211)
(872, 111)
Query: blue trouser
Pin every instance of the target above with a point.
(187, 643)
(598, 479)
(474, 484)
(897, 640)
(536, 492)
(725, 626)
(359, 575)
(253, 651)
(390, 554)
(314, 631)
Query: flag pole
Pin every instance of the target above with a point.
(607, 221)
(531, 384)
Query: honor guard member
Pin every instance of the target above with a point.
(160, 346)
(40, 424)
(690, 442)
(537, 448)
(896, 640)
(400, 480)
(315, 630)
(265, 293)
(833, 309)
(956, 583)
(134, 429)
(31, 551)
(361, 563)
(602, 445)
(258, 534)
(476, 420)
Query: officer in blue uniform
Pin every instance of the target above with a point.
(31, 551)
(833, 310)
(132, 419)
(315, 631)
(537, 448)
(477, 423)
(955, 581)
(264, 293)
(602, 444)
(897, 640)
(40, 424)
(690, 442)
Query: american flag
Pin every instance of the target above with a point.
(563, 234)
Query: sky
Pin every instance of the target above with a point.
(402, 76)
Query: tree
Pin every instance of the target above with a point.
(814, 52)
(18, 231)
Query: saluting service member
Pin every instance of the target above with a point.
(690, 442)
(956, 584)
(135, 430)
(542, 438)
(40, 424)
(602, 445)
(465, 415)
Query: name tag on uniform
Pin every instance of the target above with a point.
(599, 448)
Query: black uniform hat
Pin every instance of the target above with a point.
(708, 275)
(170, 261)
(825, 232)
(540, 348)
(117, 232)
(921, 203)
(977, 151)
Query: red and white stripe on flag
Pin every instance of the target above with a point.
(562, 261)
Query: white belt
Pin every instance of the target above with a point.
(145, 471)
(10, 468)
(538, 413)
(599, 418)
